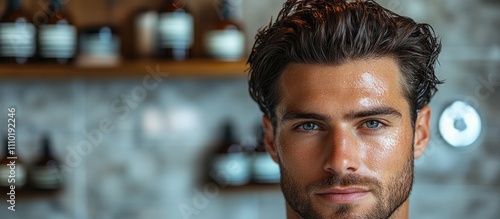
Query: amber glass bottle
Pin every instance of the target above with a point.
(175, 30)
(227, 40)
(17, 34)
(57, 39)
(139, 32)
(230, 160)
(45, 174)
(264, 169)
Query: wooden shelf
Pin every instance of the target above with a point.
(125, 69)
(252, 187)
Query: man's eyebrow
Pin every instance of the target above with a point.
(303, 115)
(373, 112)
(351, 116)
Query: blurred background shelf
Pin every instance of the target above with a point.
(125, 69)
(252, 188)
(29, 193)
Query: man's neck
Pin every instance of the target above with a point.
(400, 213)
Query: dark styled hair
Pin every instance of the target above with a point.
(336, 31)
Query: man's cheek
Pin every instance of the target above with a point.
(297, 167)
(391, 150)
(286, 153)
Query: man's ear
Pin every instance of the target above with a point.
(422, 131)
(269, 138)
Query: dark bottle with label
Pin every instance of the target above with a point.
(57, 38)
(17, 34)
(12, 169)
(230, 160)
(175, 30)
(264, 169)
(227, 40)
(45, 173)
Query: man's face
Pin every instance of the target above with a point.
(344, 140)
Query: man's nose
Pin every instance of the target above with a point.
(342, 152)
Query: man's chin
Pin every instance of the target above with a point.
(359, 209)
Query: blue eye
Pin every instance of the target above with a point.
(308, 126)
(372, 124)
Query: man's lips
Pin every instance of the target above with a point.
(344, 195)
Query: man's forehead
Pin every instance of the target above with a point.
(372, 75)
(352, 86)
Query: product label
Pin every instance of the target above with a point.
(58, 41)
(46, 178)
(176, 30)
(265, 170)
(102, 44)
(235, 166)
(17, 39)
(10, 176)
(225, 44)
